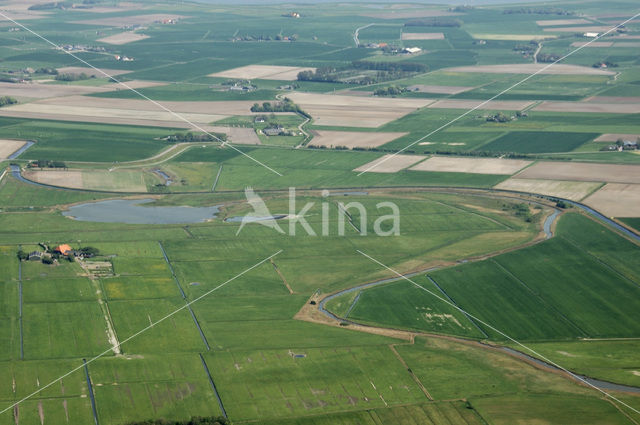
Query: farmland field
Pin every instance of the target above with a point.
(319, 213)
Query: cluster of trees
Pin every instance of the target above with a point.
(526, 48)
(45, 163)
(287, 105)
(323, 74)
(434, 22)
(7, 100)
(47, 71)
(499, 117)
(190, 137)
(196, 420)
(537, 11)
(73, 77)
(390, 91)
(547, 57)
(522, 210)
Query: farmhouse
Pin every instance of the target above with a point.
(590, 34)
(64, 249)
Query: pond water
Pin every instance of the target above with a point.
(133, 211)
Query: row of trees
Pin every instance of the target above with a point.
(190, 137)
(287, 105)
(390, 91)
(45, 163)
(73, 77)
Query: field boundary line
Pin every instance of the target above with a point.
(532, 351)
(544, 68)
(158, 104)
(141, 331)
(413, 375)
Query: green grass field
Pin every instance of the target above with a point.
(271, 357)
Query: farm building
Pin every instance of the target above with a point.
(411, 50)
(64, 249)
(35, 256)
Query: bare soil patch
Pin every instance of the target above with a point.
(583, 171)
(123, 21)
(422, 36)
(123, 38)
(617, 200)
(472, 165)
(530, 68)
(612, 137)
(510, 105)
(263, 72)
(118, 181)
(611, 108)
(96, 114)
(439, 89)
(136, 84)
(572, 190)
(7, 147)
(353, 139)
(592, 44)
(355, 111)
(623, 37)
(77, 70)
(390, 163)
(557, 22)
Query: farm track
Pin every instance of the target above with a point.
(332, 319)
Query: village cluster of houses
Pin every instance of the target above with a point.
(83, 48)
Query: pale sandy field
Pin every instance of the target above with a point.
(572, 190)
(612, 108)
(263, 72)
(440, 89)
(7, 147)
(236, 135)
(631, 44)
(530, 68)
(121, 21)
(613, 99)
(422, 36)
(355, 111)
(123, 38)
(592, 44)
(353, 139)
(390, 163)
(472, 165)
(510, 105)
(135, 84)
(117, 181)
(141, 117)
(617, 200)
(612, 137)
(41, 91)
(583, 171)
(556, 22)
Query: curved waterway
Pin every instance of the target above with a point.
(603, 385)
(133, 211)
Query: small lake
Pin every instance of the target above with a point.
(133, 211)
